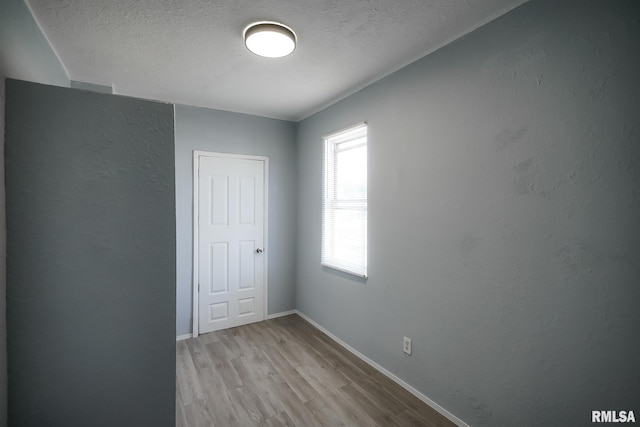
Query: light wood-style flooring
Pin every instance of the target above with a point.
(285, 372)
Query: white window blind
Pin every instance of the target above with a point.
(344, 207)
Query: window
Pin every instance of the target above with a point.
(344, 207)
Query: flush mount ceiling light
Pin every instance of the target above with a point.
(269, 39)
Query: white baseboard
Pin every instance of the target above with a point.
(183, 337)
(283, 313)
(388, 374)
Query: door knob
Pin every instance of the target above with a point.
(259, 250)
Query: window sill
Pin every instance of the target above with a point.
(345, 270)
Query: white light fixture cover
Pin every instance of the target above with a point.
(269, 39)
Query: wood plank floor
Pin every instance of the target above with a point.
(285, 372)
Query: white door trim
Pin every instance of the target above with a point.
(196, 184)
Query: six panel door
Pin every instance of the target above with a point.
(231, 237)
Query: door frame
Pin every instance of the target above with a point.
(196, 185)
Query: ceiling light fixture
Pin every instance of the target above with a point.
(269, 39)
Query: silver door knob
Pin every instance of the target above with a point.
(259, 250)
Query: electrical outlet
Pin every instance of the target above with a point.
(406, 346)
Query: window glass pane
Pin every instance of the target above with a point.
(349, 235)
(351, 173)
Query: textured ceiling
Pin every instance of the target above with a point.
(191, 51)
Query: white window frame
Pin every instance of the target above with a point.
(330, 202)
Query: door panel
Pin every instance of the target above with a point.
(230, 232)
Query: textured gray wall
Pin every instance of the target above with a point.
(90, 258)
(24, 54)
(504, 232)
(212, 130)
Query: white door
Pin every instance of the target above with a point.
(231, 260)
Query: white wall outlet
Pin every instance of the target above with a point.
(406, 346)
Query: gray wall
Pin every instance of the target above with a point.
(90, 86)
(503, 218)
(90, 258)
(24, 54)
(212, 130)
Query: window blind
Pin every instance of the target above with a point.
(344, 207)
